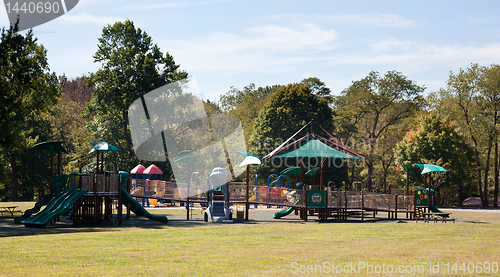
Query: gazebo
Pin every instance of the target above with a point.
(313, 145)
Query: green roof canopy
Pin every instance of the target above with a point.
(54, 146)
(248, 159)
(291, 171)
(313, 171)
(186, 156)
(102, 147)
(426, 168)
(315, 148)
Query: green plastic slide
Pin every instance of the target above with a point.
(137, 208)
(34, 210)
(434, 209)
(286, 211)
(58, 206)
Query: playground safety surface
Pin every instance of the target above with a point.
(9, 228)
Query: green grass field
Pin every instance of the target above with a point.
(273, 249)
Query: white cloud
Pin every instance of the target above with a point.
(375, 20)
(257, 48)
(365, 20)
(87, 18)
(424, 55)
(173, 4)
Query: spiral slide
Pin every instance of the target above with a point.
(58, 206)
(137, 208)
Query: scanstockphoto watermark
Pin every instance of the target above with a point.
(312, 162)
(488, 268)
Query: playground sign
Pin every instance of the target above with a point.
(316, 198)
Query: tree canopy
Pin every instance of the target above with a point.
(131, 66)
(27, 89)
(372, 106)
(433, 140)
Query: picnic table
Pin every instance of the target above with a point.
(10, 209)
(437, 216)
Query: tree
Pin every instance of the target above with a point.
(437, 139)
(77, 91)
(371, 106)
(246, 104)
(131, 66)
(317, 86)
(68, 125)
(476, 93)
(27, 88)
(286, 111)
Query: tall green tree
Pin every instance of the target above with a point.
(246, 104)
(68, 125)
(286, 111)
(438, 139)
(131, 66)
(371, 107)
(474, 92)
(27, 89)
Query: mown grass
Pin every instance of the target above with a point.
(250, 249)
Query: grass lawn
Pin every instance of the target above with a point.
(274, 249)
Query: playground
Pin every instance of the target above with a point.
(91, 198)
(135, 223)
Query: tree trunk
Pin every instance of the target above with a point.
(460, 192)
(478, 164)
(127, 135)
(369, 183)
(15, 181)
(486, 171)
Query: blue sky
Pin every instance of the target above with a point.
(235, 43)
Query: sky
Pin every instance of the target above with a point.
(226, 44)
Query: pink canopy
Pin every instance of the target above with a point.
(138, 169)
(152, 169)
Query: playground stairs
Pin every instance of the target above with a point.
(218, 195)
(219, 210)
(419, 213)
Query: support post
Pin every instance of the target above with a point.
(362, 205)
(59, 163)
(396, 206)
(102, 162)
(96, 206)
(345, 210)
(407, 183)
(188, 183)
(51, 174)
(248, 184)
(321, 173)
(307, 205)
